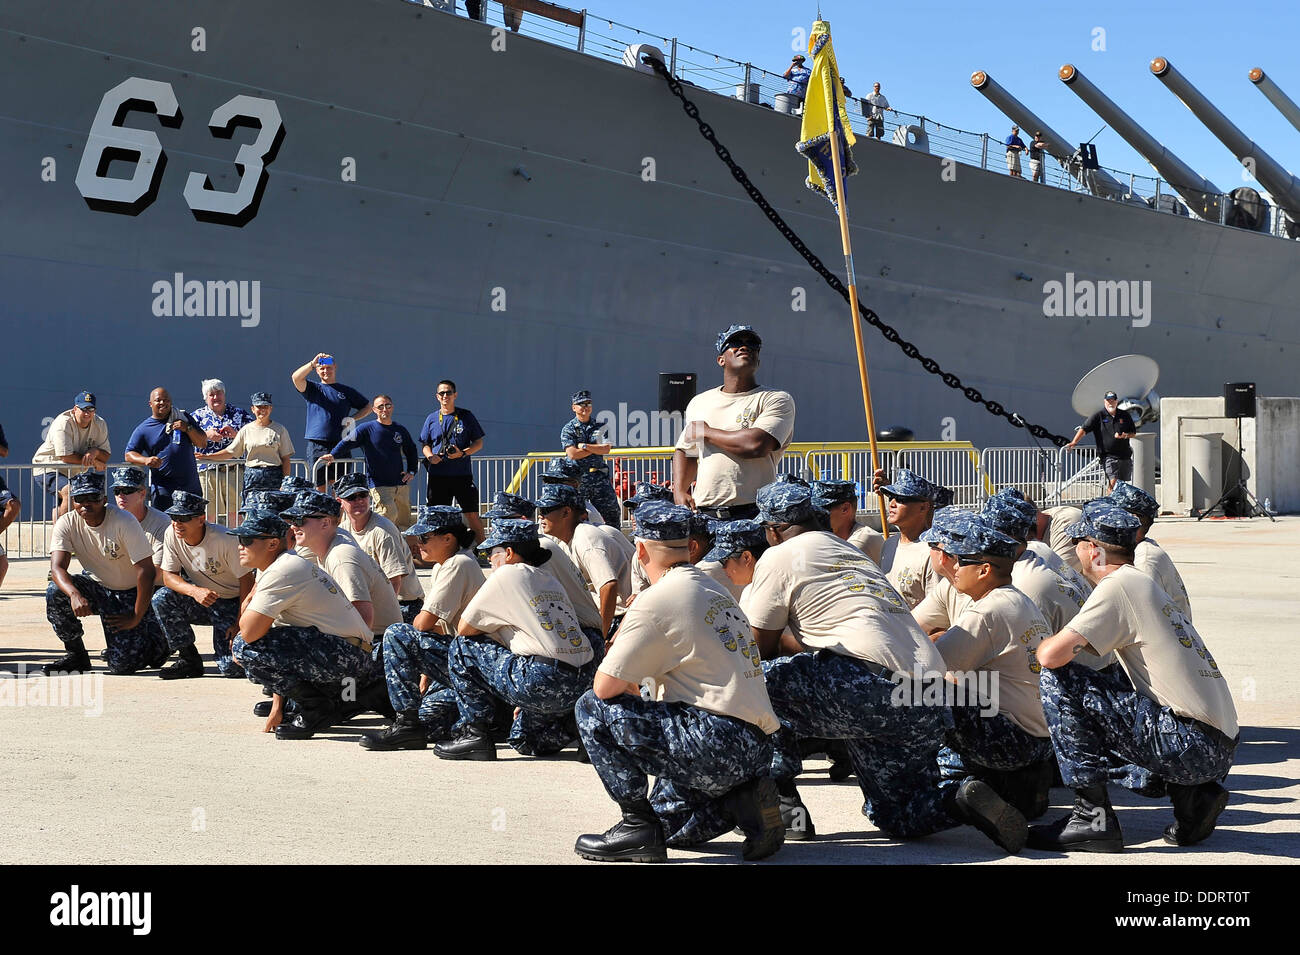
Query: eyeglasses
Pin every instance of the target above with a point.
(445, 394)
(87, 499)
(382, 407)
(749, 343)
(359, 495)
(971, 561)
(248, 541)
(186, 519)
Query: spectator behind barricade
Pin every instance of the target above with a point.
(514, 17)
(164, 443)
(330, 408)
(1036, 171)
(9, 509)
(798, 75)
(222, 483)
(385, 445)
(76, 438)
(265, 444)
(873, 107)
(449, 436)
(1015, 146)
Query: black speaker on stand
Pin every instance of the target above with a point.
(1239, 399)
(1237, 501)
(676, 389)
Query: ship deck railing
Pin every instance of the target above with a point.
(1045, 476)
(587, 32)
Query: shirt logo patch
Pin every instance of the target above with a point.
(111, 549)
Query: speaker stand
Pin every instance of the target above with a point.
(1239, 489)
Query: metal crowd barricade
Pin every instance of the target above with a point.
(954, 464)
(1082, 477)
(1034, 472)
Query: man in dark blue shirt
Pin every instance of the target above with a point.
(1112, 430)
(384, 445)
(164, 443)
(582, 442)
(449, 436)
(332, 410)
(1015, 146)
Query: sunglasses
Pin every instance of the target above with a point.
(87, 499)
(248, 541)
(185, 520)
(749, 343)
(971, 561)
(445, 394)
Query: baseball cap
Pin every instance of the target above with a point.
(1109, 395)
(982, 540)
(86, 484)
(260, 398)
(354, 482)
(186, 504)
(84, 399)
(662, 521)
(733, 537)
(582, 397)
(128, 479)
(436, 519)
(780, 503)
(312, 504)
(559, 495)
(260, 524)
(510, 506)
(508, 533)
(1107, 523)
(731, 332)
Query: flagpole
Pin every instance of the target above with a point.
(853, 305)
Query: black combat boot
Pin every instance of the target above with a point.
(407, 732)
(77, 660)
(1196, 809)
(637, 837)
(794, 814)
(841, 766)
(1027, 788)
(472, 741)
(316, 711)
(1091, 826)
(978, 804)
(756, 809)
(262, 708)
(189, 665)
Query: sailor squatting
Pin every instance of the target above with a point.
(750, 620)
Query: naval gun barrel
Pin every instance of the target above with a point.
(1201, 195)
(1285, 105)
(1097, 181)
(1284, 187)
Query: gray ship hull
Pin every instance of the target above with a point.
(440, 261)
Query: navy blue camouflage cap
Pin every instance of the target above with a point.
(1012, 493)
(562, 469)
(311, 504)
(949, 524)
(86, 484)
(664, 522)
(647, 491)
(792, 478)
(943, 496)
(292, 482)
(126, 479)
(185, 504)
(983, 540)
(436, 519)
(259, 523)
(260, 398)
(733, 537)
(1107, 523)
(84, 400)
(783, 503)
(273, 501)
(830, 493)
(1011, 517)
(908, 484)
(512, 506)
(702, 525)
(1134, 500)
(560, 495)
(731, 332)
(354, 482)
(508, 533)
(582, 397)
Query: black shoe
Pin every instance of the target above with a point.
(77, 661)
(374, 697)
(163, 656)
(262, 708)
(1091, 826)
(756, 808)
(472, 742)
(316, 712)
(1028, 788)
(637, 837)
(406, 733)
(979, 805)
(103, 655)
(1196, 810)
(234, 673)
(189, 665)
(794, 815)
(582, 752)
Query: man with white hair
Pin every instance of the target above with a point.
(222, 482)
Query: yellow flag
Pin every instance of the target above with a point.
(824, 106)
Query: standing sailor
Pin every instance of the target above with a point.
(580, 439)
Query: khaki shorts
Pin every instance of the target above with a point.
(393, 503)
(223, 486)
(1013, 161)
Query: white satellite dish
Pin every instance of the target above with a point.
(1132, 377)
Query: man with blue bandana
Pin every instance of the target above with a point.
(333, 410)
(581, 440)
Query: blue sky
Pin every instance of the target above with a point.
(924, 52)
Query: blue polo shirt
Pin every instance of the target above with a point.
(384, 447)
(327, 406)
(179, 471)
(461, 428)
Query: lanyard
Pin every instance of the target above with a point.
(454, 419)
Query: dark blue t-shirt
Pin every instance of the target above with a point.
(384, 447)
(461, 428)
(179, 471)
(327, 406)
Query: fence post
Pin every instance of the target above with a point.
(672, 64)
(582, 31)
(984, 151)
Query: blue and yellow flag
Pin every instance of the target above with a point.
(824, 105)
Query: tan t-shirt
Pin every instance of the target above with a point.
(212, 563)
(688, 635)
(453, 585)
(639, 579)
(297, 593)
(941, 607)
(832, 596)
(1055, 599)
(908, 568)
(381, 539)
(156, 524)
(360, 578)
(1000, 633)
(1062, 517)
(524, 609)
(601, 558)
(109, 551)
(867, 539)
(716, 572)
(1152, 559)
(262, 446)
(563, 569)
(64, 438)
(1157, 646)
(722, 478)
(1058, 565)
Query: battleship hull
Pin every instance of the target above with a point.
(394, 229)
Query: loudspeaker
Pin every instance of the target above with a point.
(1239, 399)
(676, 389)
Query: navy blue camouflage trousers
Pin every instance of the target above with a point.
(696, 756)
(1099, 725)
(595, 484)
(286, 656)
(482, 669)
(892, 743)
(409, 653)
(128, 650)
(176, 613)
(542, 734)
(978, 742)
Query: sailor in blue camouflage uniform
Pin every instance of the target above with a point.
(569, 473)
(706, 739)
(855, 680)
(518, 639)
(1174, 717)
(581, 440)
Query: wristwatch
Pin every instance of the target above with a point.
(582, 447)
